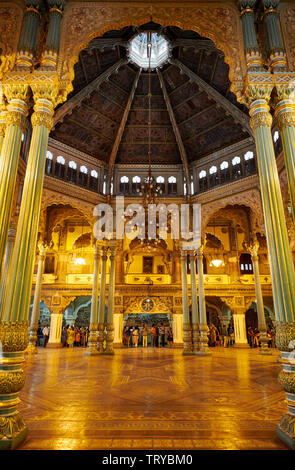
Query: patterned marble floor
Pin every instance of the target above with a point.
(152, 399)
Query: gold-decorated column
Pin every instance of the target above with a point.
(187, 350)
(101, 310)
(91, 346)
(14, 324)
(279, 251)
(37, 296)
(203, 327)
(17, 96)
(111, 301)
(195, 312)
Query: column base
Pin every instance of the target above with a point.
(203, 353)
(16, 431)
(91, 352)
(265, 352)
(241, 346)
(54, 345)
(188, 353)
(177, 346)
(118, 346)
(286, 430)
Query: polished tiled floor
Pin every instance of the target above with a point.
(152, 399)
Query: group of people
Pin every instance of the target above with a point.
(133, 336)
(74, 336)
(42, 335)
(253, 336)
(224, 337)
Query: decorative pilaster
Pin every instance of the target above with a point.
(185, 311)
(29, 33)
(110, 314)
(203, 327)
(93, 333)
(280, 256)
(17, 95)
(101, 310)
(49, 56)
(195, 313)
(253, 55)
(37, 296)
(285, 114)
(253, 249)
(273, 35)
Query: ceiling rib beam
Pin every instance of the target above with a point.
(229, 108)
(200, 44)
(178, 138)
(121, 130)
(104, 43)
(68, 106)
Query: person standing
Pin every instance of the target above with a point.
(170, 337)
(162, 335)
(71, 337)
(127, 333)
(45, 332)
(154, 336)
(144, 336)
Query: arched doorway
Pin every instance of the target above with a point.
(44, 313)
(138, 320)
(78, 312)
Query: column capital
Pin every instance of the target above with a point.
(260, 115)
(258, 86)
(253, 249)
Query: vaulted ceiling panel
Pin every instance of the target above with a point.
(193, 112)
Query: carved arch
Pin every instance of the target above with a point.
(84, 21)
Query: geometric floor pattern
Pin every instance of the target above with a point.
(152, 399)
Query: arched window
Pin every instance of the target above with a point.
(72, 172)
(250, 166)
(124, 185)
(94, 180)
(213, 176)
(161, 183)
(276, 136)
(83, 175)
(246, 266)
(136, 181)
(60, 167)
(172, 185)
(236, 168)
(203, 183)
(48, 164)
(224, 172)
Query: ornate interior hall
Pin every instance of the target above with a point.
(147, 213)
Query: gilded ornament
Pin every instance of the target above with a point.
(11, 425)
(287, 381)
(259, 119)
(14, 336)
(285, 333)
(286, 119)
(14, 118)
(11, 381)
(287, 426)
(41, 118)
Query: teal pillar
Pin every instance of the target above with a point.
(49, 56)
(251, 47)
(203, 327)
(101, 311)
(280, 256)
(93, 333)
(29, 33)
(273, 35)
(195, 312)
(187, 350)
(111, 302)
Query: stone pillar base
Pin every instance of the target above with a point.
(177, 346)
(19, 432)
(54, 345)
(242, 346)
(285, 430)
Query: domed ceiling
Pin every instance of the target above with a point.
(193, 111)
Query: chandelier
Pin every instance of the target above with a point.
(149, 189)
